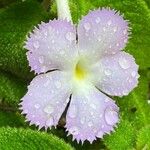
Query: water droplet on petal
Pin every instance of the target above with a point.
(50, 122)
(74, 130)
(117, 44)
(100, 134)
(53, 41)
(70, 36)
(125, 31)
(107, 72)
(133, 74)
(87, 26)
(48, 109)
(125, 92)
(37, 106)
(111, 116)
(109, 22)
(73, 111)
(82, 121)
(43, 69)
(41, 59)
(93, 106)
(58, 84)
(97, 20)
(90, 124)
(36, 45)
(125, 64)
(104, 29)
(125, 40)
(25, 111)
(115, 29)
(46, 83)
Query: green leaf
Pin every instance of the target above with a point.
(26, 139)
(11, 89)
(135, 107)
(136, 11)
(15, 23)
(8, 117)
(143, 139)
(122, 139)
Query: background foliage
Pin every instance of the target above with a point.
(17, 19)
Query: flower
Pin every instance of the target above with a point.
(84, 63)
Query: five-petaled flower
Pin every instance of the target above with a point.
(85, 63)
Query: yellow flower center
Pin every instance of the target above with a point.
(80, 71)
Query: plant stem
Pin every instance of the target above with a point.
(63, 10)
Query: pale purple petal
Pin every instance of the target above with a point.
(102, 32)
(91, 114)
(117, 74)
(46, 99)
(51, 46)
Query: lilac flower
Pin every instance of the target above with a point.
(87, 62)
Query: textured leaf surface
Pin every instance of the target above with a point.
(143, 138)
(134, 107)
(122, 139)
(10, 118)
(21, 139)
(15, 22)
(11, 89)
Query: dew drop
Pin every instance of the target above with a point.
(36, 45)
(49, 122)
(104, 29)
(48, 109)
(93, 106)
(125, 40)
(41, 59)
(124, 63)
(125, 31)
(115, 29)
(100, 134)
(82, 121)
(70, 36)
(37, 106)
(133, 74)
(109, 22)
(97, 20)
(46, 83)
(87, 26)
(49, 29)
(43, 69)
(73, 111)
(117, 44)
(107, 72)
(125, 92)
(58, 84)
(74, 130)
(111, 116)
(90, 124)
(25, 111)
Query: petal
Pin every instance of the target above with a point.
(46, 98)
(102, 32)
(91, 114)
(117, 74)
(51, 46)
